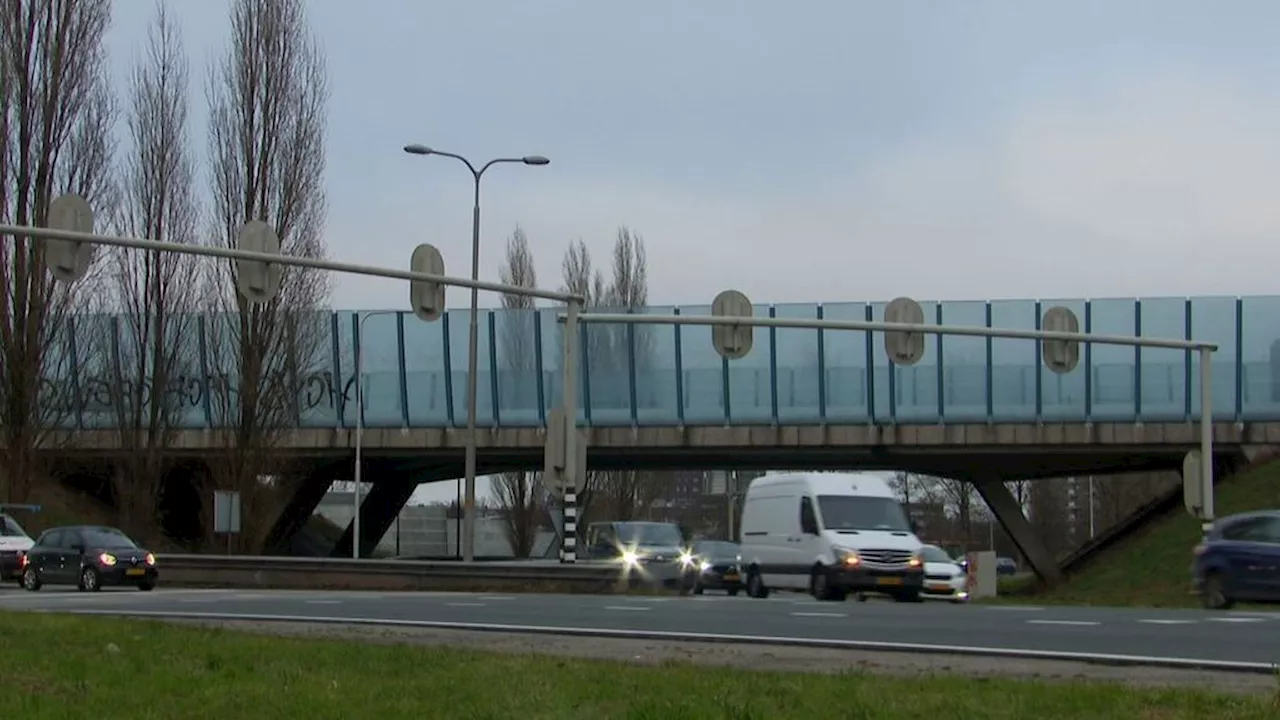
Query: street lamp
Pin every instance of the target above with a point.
(355, 494)
(469, 509)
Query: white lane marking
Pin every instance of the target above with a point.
(818, 614)
(1237, 619)
(323, 602)
(627, 607)
(465, 604)
(495, 597)
(1168, 622)
(1079, 623)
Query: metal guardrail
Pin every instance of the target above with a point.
(330, 573)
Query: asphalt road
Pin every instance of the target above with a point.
(1192, 634)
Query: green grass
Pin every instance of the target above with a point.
(61, 667)
(1152, 568)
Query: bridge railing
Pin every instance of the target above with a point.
(414, 374)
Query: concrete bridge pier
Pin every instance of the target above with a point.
(306, 498)
(1011, 517)
(378, 510)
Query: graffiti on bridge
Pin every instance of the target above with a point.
(105, 394)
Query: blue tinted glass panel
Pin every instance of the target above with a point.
(58, 398)
(458, 336)
(1164, 371)
(515, 331)
(1113, 365)
(749, 379)
(1260, 374)
(342, 397)
(1015, 363)
(1213, 320)
(98, 380)
(845, 359)
(1062, 395)
(883, 373)
(656, 371)
(379, 371)
(185, 388)
(608, 368)
(964, 363)
(553, 361)
(797, 352)
(703, 378)
(424, 372)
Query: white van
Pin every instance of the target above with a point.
(829, 534)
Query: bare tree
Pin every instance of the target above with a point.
(55, 136)
(153, 294)
(518, 493)
(579, 276)
(268, 100)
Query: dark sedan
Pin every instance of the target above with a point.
(719, 563)
(89, 557)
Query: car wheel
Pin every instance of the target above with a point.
(733, 592)
(90, 580)
(698, 589)
(1214, 594)
(820, 585)
(147, 586)
(755, 585)
(31, 579)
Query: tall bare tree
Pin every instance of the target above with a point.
(518, 493)
(56, 117)
(154, 293)
(268, 99)
(578, 275)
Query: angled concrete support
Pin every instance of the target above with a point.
(306, 497)
(1015, 523)
(378, 511)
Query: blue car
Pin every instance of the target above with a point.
(1239, 560)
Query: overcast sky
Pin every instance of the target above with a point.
(825, 150)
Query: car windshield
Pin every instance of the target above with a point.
(648, 534)
(10, 527)
(851, 512)
(715, 549)
(934, 554)
(103, 538)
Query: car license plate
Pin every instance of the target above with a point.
(889, 581)
(731, 576)
(135, 572)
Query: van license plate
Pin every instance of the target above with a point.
(889, 581)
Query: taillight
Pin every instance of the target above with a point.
(23, 561)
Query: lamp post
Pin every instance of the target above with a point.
(469, 509)
(355, 494)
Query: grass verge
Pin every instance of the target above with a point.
(61, 667)
(1152, 568)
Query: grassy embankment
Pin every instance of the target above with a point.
(60, 667)
(1152, 568)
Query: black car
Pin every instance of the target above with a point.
(719, 565)
(88, 557)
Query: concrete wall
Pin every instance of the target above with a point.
(427, 531)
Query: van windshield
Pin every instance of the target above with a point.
(851, 512)
(10, 527)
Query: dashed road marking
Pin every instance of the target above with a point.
(818, 614)
(628, 608)
(1168, 622)
(323, 602)
(495, 597)
(465, 604)
(1237, 619)
(1078, 623)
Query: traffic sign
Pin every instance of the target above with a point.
(1193, 485)
(69, 260)
(1060, 356)
(554, 478)
(904, 348)
(258, 281)
(425, 297)
(732, 341)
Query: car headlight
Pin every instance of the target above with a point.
(150, 559)
(846, 556)
(705, 566)
(686, 558)
(630, 558)
(107, 559)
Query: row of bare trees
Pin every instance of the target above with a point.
(157, 321)
(613, 352)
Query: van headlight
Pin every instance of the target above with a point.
(630, 558)
(686, 559)
(914, 561)
(846, 556)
